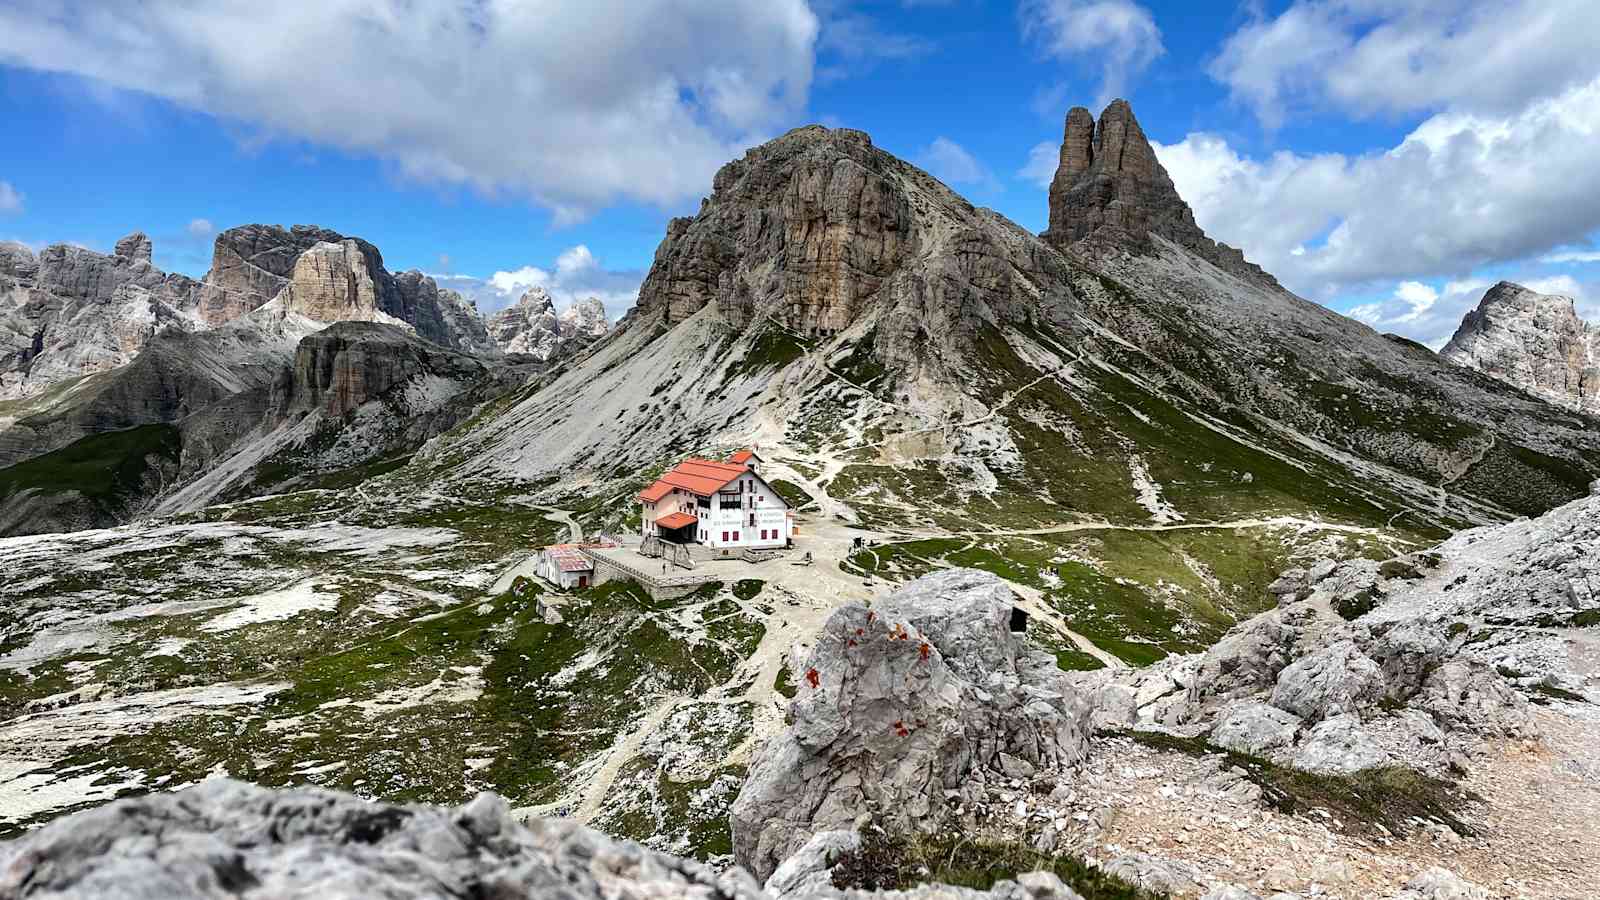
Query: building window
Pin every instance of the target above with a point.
(724, 537)
(752, 519)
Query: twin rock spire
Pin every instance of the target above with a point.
(1109, 187)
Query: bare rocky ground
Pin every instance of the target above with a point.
(1205, 823)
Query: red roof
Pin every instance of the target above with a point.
(702, 477)
(676, 520)
(568, 558)
(744, 456)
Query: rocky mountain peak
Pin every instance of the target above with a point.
(1534, 341)
(17, 261)
(586, 317)
(333, 282)
(1110, 188)
(537, 301)
(135, 247)
(532, 325)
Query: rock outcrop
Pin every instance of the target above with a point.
(906, 709)
(533, 327)
(1410, 662)
(1533, 341)
(1110, 187)
(330, 277)
(135, 247)
(585, 320)
(819, 230)
(351, 363)
(334, 282)
(227, 840)
(71, 311)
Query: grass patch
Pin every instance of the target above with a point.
(792, 494)
(784, 683)
(106, 468)
(887, 862)
(1544, 693)
(774, 348)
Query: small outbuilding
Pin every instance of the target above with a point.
(565, 566)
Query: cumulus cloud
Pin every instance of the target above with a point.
(10, 198)
(1461, 191)
(1043, 160)
(577, 274)
(1571, 256)
(1431, 314)
(200, 228)
(1118, 39)
(574, 105)
(851, 44)
(1374, 57)
(952, 163)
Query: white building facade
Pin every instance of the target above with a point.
(719, 505)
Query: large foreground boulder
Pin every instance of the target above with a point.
(228, 839)
(905, 709)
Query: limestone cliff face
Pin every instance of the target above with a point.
(333, 282)
(1110, 186)
(1534, 341)
(586, 319)
(331, 277)
(433, 310)
(830, 238)
(71, 311)
(804, 229)
(532, 326)
(339, 369)
(252, 264)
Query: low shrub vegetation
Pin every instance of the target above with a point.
(893, 862)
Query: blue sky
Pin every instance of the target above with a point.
(1388, 158)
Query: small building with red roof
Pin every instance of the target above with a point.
(724, 505)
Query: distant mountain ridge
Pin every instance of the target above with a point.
(233, 372)
(69, 311)
(1534, 341)
(532, 325)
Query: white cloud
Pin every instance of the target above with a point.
(951, 163)
(200, 228)
(1422, 312)
(852, 44)
(1043, 160)
(1561, 257)
(1117, 38)
(10, 198)
(1377, 57)
(1563, 285)
(576, 275)
(574, 105)
(1460, 192)
(1431, 315)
